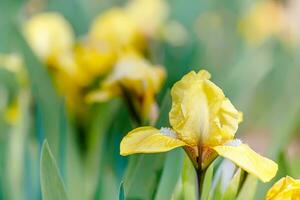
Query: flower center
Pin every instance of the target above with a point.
(234, 143)
(168, 132)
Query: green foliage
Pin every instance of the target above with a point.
(207, 183)
(84, 161)
(247, 192)
(147, 168)
(170, 175)
(51, 181)
(232, 189)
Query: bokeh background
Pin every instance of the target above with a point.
(251, 48)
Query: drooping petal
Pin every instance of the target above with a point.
(243, 156)
(149, 140)
(133, 77)
(285, 188)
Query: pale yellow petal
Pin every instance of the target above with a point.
(116, 27)
(255, 164)
(133, 66)
(189, 114)
(196, 107)
(148, 140)
(201, 114)
(225, 124)
(149, 15)
(49, 34)
(286, 188)
(134, 76)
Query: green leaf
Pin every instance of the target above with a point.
(146, 168)
(248, 189)
(51, 182)
(96, 153)
(232, 189)
(207, 182)
(121, 192)
(170, 174)
(284, 165)
(45, 96)
(188, 180)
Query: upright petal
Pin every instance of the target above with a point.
(149, 15)
(118, 29)
(200, 112)
(224, 124)
(243, 156)
(189, 114)
(49, 34)
(149, 140)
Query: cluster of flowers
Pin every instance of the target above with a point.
(108, 61)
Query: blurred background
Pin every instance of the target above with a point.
(251, 48)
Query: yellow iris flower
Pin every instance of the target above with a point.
(117, 29)
(149, 15)
(49, 35)
(262, 21)
(204, 122)
(135, 78)
(286, 188)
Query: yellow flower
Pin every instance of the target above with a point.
(95, 58)
(204, 122)
(67, 66)
(286, 188)
(262, 21)
(116, 28)
(149, 15)
(49, 35)
(132, 77)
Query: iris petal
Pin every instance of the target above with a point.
(285, 188)
(255, 164)
(148, 140)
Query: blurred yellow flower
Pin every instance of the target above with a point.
(132, 77)
(204, 122)
(117, 29)
(149, 15)
(286, 188)
(49, 35)
(262, 21)
(96, 58)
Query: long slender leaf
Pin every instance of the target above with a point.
(248, 189)
(207, 182)
(121, 192)
(170, 174)
(51, 181)
(147, 168)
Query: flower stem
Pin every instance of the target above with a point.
(199, 172)
(131, 107)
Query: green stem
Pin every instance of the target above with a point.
(131, 107)
(199, 172)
